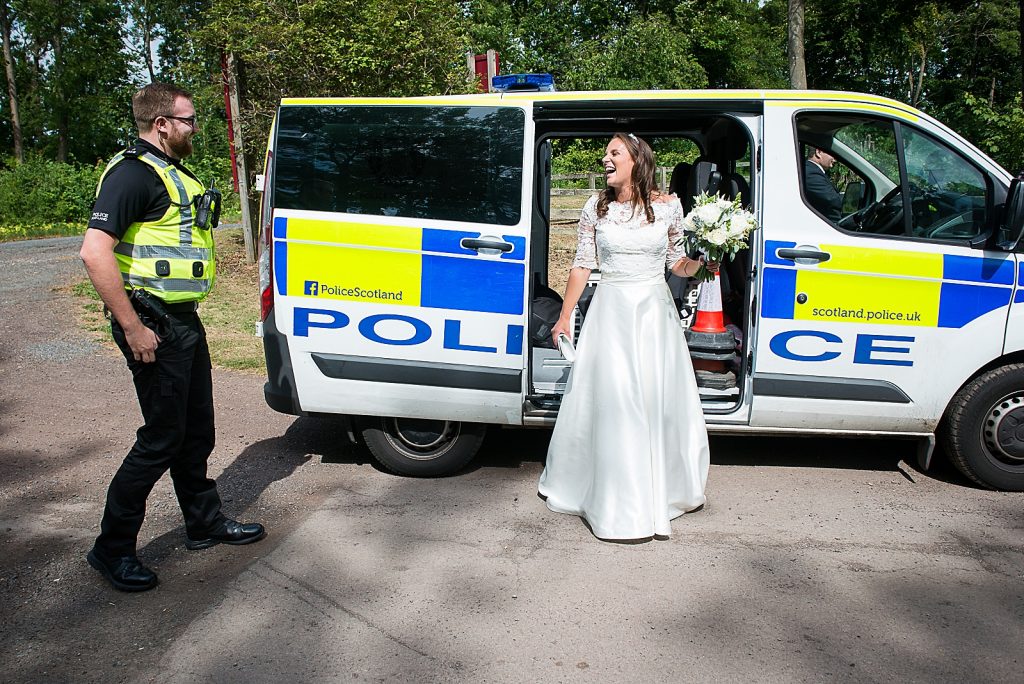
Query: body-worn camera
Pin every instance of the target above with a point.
(208, 208)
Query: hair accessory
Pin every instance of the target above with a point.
(635, 139)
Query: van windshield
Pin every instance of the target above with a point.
(445, 163)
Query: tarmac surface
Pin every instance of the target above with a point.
(813, 560)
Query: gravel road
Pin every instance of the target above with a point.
(813, 559)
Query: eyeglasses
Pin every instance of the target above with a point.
(190, 120)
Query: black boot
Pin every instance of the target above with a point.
(126, 573)
(227, 532)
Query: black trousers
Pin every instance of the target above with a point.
(176, 396)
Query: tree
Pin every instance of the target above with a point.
(924, 38)
(318, 48)
(12, 87)
(738, 43)
(797, 66)
(649, 53)
(81, 75)
(556, 36)
(735, 43)
(149, 19)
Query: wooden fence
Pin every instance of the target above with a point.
(595, 181)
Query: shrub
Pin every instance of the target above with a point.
(39, 192)
(39, 195)
(999, 130)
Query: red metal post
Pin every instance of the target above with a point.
(227, 108)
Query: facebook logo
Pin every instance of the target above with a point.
(312, 287)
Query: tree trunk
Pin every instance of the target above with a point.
(250, 204)
(916, 99)
(147, 38)
(797, 66)
(61, 100)
(62, 136)
(12, 89)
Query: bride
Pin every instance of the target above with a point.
(629, 450)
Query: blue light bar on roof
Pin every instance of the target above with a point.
(513, 82)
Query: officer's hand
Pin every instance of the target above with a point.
(143, 342)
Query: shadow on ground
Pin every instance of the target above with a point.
(512, 447)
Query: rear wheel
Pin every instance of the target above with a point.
(421, 448)
(984, 430)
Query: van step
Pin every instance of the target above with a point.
(713, 380)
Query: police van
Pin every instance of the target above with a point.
(405, 241)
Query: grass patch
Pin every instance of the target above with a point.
(232, 309)
(12, 233)
(229, 314)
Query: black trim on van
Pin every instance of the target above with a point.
(843, 389)
(420, 373)
(279, 390)
(641, 109)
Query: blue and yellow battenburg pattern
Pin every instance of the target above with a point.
(398, 265)
(887, 287)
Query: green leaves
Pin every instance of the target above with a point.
(40, 192)
(646, 54)
(1001, 130)
(338, 48)
(77, 62)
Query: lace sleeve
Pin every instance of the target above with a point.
(675, 235)
(586, 246)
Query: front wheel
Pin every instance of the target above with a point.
(419, 447)
(984, 429)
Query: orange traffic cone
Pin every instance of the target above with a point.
(712, 346)
(709, 308)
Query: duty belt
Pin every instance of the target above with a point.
(182, 307)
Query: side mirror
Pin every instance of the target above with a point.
(1012, 225)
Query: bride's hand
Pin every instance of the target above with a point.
(562, 326)
(688, 268)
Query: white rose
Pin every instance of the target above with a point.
(717, 237)
(739, 226)
(706, 215)
(722, 204)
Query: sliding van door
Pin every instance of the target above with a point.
(400, 241)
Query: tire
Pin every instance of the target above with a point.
(984, 429)
(421, 448)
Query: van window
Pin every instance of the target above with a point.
(445, 163)
(865, 172)
(947, 196)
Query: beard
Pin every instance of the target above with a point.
(180, 146)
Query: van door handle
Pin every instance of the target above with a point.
(808, 254)
(478, 244)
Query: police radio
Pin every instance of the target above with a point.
(207, 203)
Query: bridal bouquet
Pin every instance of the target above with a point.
(717, 228)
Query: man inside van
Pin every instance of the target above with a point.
(818, 189)
(149, 253)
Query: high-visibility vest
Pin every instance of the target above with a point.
(170, 257)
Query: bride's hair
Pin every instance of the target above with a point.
(642, 180)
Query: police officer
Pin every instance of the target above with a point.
(151, 263)
(818, 188)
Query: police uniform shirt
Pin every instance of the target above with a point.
(131, 193)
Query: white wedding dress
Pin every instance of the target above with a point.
(630, 449)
